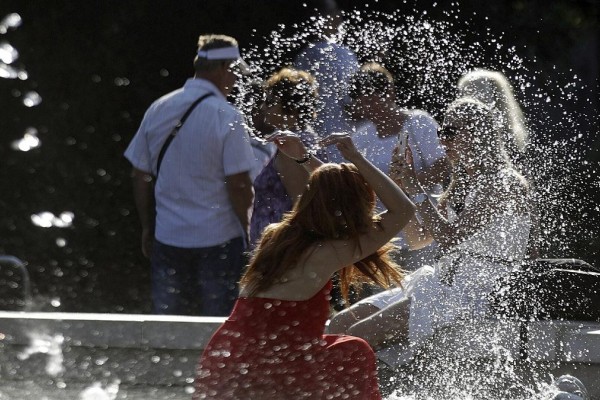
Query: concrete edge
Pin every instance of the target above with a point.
(109, 330)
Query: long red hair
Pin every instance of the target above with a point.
(337, 204)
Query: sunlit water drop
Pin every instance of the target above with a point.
(97, 392)
(29, 141)
(32, 99)
(47, 219)
(8, 72)
(51, 345)
(8, 54)
(11, 21)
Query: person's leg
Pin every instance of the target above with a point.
(343, 320)
(218, 272)
(387, 325)
(170, 279)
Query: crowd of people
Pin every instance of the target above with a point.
(363, 192)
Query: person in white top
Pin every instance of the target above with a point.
(390, 127)
(482, 222)
(194, 199)
(494, 89)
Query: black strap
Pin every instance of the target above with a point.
(173, 133)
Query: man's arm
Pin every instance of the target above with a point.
(143, 193)
(241, 196)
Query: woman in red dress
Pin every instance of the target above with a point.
(273, 346)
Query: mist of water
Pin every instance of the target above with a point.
(9, 54)
(97, 392)
(428, 57)
(51, 346)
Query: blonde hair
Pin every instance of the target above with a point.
(493, 88)
(490, 149)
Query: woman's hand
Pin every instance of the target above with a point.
(402, 171)
(344, 144)
(289, 144)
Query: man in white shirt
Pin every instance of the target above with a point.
(384, 125)
(195, 198)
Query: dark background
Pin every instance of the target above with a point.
(99, 64)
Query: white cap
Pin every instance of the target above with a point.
(226, 53)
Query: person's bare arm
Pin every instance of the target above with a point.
(340, 253)
(293, 175)
(416, 235)
(491, 197)
(292, 146)
(143, 193)
(241, 196)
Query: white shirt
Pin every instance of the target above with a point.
(421, 129)
(192, 203)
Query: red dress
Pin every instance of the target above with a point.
(276, 349)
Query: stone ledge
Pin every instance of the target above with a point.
(110, 330)
(135, 349)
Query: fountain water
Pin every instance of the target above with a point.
(428, 56)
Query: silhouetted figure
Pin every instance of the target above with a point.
(195, 205)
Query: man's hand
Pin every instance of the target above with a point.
(147, 241)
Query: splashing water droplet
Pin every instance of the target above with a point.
(8, 72)
(28, 141)
(47, 219)
(8, 54)
(31, 99)
(11, 21)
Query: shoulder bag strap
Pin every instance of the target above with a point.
(173, 133)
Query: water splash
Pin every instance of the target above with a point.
(427, 57)
(11, 21)
(29, 141)
(97, 392)
(51, 345)
(47, 219)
